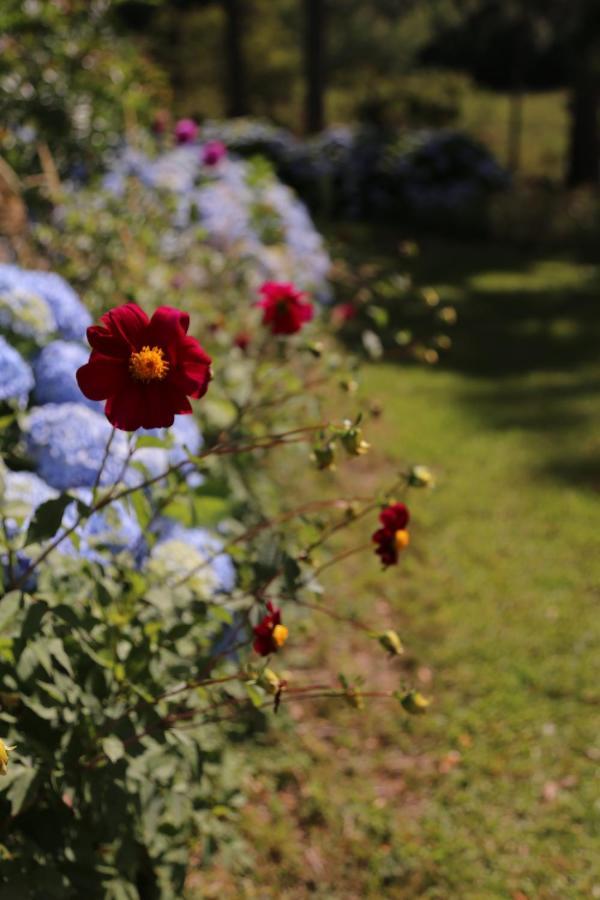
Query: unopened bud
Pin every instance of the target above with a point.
(351, 440)
(271, 681)
(415, 703)
(5, 752)
(430, 296)
(355, 698)
(448, 315)
(316, 348)
(421, 477)
(390, 641)
(324, 456)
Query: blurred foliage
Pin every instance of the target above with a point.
(69, 81)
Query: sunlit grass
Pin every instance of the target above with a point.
(494, 792)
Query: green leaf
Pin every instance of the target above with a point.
(47, 519)
(9, 607)
(149, 441)
(255, 695)
(22, 789)
(113, 748)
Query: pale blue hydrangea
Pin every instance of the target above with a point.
(109, 531)
(16, 377)
(206, 546)
(186, 436)
(54, 371)
(186, 439)
(67, 441)
(254, 219)
(71, 317)
(25, 314)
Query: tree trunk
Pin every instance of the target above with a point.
(236, 79)
(584, 146)
(314, 64)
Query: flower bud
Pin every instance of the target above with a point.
(430, 296)
(390, 641)
(421, 476)
(448, 315)
(5, 752)
(315, 348)
(351, 440)
(354, 698)
(271, 681)
(324, 456)
(415, 703)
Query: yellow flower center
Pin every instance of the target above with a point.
(402, 539)
(149, 364)
(280, 635)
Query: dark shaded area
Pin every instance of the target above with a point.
(527, 336)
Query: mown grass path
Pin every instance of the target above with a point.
(495, 792)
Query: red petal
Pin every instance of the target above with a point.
(123, 330)
(167, 329)
(394, 517)
(306, 312)
(125, 409)
(193, 369)
(162, 402)
(102, 377)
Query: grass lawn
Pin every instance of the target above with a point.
(495, 792)
(545, 129)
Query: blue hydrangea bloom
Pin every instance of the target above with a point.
(111, 530)
(205, 544)
(16, 377)
(54, 371)
(67, 441)
(186, 436)
(71, 316)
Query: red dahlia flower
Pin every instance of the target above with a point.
(144, 368)
(392, 537)
(269, 634)
(285, 310)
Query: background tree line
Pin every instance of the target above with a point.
(239, 57)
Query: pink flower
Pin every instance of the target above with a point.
(284, 309)
(186, 131)
(213, 153)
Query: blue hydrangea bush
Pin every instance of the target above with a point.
(438, 178)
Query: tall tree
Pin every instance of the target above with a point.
(520, 44)
(314, 64)
(236, 75)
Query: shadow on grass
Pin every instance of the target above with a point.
(518, 312)
(527, 338)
